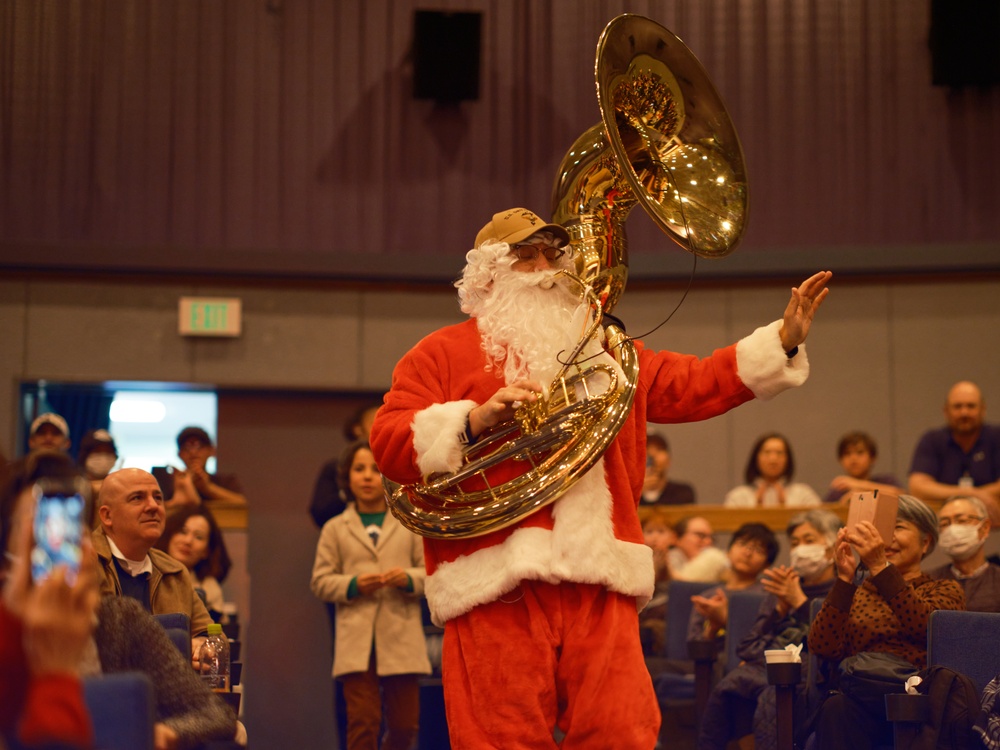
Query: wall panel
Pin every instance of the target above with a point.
(281, 136)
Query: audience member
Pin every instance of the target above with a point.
(660, 537)
(856, 452)
(327, 498)
(768, 477)
(751, 549)
(693, 557)
(194, 484)
(49, 432)
(193, 537)
(45, 630)
(962, 458)
(328, 501)
(658, 488)
(742, 700)
(126, 638)
(965, 525)
(187, 713)
(887, 613)
(132, 518)
(373, 568)
(97, 457)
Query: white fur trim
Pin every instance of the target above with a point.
(437, 433)
(580, 547)
(763, 367)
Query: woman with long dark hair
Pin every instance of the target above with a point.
(768, 478)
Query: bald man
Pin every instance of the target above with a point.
(132, 518)
(962, 458)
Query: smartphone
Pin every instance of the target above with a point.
(878, 507)
(59, 526)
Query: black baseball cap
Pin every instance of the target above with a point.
(193, 433)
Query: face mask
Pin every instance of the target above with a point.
(810, 559)
(961, 541)
(99, 465)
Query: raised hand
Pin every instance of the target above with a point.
(801, 309)
(868, 543)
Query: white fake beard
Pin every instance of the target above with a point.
(529, 321)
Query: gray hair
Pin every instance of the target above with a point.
(824, 521)
(920, 515)
(975, 502)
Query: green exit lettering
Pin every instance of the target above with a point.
(208, 316)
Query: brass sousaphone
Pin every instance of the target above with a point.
(666, 142)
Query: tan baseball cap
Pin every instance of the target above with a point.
(516, 224)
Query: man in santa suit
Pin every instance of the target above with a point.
(541, 618)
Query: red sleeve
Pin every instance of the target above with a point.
(446, 366)
(684, 388)
(13, 670)
(54, 711)
(43, 709)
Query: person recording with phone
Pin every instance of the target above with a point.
(53, 632)
(45, 626)
(887, 613)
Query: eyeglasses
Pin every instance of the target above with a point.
(699, 534)
(754, 547)
(531, 252)
(944, 523)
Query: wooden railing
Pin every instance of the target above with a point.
(729, 519)
(229, 515)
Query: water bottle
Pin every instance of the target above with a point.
(214, 659)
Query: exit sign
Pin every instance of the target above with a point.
(210, 316)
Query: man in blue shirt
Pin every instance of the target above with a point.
(962, 458)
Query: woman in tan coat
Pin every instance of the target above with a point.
(373, 569)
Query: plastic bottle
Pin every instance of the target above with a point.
(214, 659)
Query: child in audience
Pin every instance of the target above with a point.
(856, 452)
(373, 568)
(741, 700)
(752, 548)
(660, 537)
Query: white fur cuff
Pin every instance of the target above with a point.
(437, 432)
(763, 366)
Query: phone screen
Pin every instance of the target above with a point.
(59, 529)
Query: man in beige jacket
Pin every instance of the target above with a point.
(132, 518)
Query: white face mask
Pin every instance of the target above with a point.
(961, 541)
(810, 560)
(99, 465)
